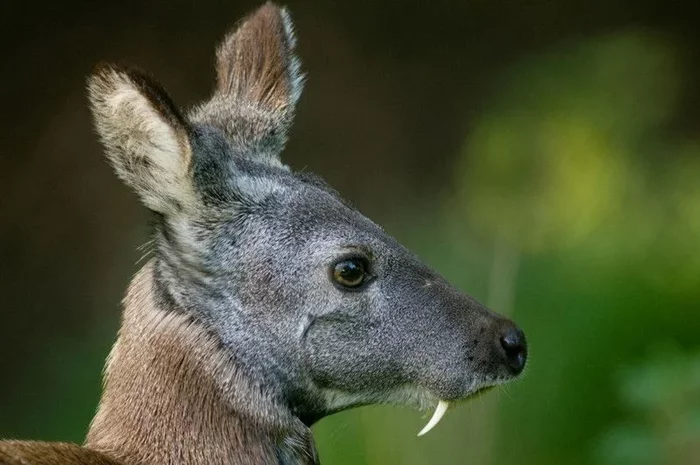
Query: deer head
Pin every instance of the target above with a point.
(314, 303)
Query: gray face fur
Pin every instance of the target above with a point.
(246, 246)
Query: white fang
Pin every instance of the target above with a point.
(437, 416)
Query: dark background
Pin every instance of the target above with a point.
(395, 93)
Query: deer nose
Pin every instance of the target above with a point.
(513, 347)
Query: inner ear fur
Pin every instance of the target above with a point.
(146, 138)
(256, 62)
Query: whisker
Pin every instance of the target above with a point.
(147, 248)
(504, 389)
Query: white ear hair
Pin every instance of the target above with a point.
(145, 137)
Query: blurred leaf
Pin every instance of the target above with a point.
(663, 394)
(554, 157)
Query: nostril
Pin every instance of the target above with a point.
(515, 349)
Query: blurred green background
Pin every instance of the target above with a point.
(544, 156)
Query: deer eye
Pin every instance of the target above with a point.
(350, 273)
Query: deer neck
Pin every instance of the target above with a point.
(173, 395)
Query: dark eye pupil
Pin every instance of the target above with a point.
(349, 273)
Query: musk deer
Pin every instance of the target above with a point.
(270, 302)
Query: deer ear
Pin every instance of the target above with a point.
(256, 63)
(145, 136)
(258, 83)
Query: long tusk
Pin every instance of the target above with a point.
(437, 416)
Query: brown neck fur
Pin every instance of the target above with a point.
(173, 396)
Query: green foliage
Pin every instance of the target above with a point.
(558, 154)
(662, 413)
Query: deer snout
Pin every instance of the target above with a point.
(511, 346)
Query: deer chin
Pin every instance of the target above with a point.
(408, 395)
